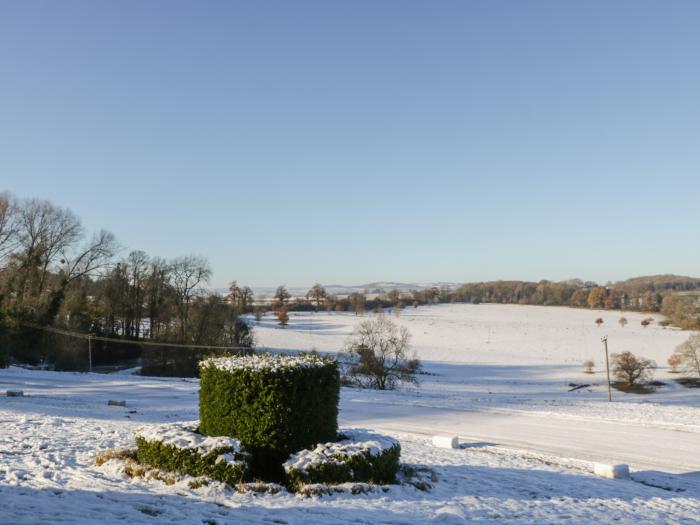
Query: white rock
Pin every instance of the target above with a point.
(619, 471)
(446, 441)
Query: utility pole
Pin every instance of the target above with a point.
(607, 366)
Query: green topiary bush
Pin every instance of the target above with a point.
(360, 457)
(274, 405)
(179, 448)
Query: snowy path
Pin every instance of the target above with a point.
(642, 447)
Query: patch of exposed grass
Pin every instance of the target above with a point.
(418, 476)
(309, 490)
(131, 467)
(198, 483)
(121, 454)
(259, 487)
(633, 389)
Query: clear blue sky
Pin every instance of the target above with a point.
(293, 142)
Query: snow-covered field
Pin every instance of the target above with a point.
(496, 375)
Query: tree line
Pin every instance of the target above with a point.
(52, 273)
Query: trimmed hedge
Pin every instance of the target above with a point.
(274, 405)
(178, 448)
(360, 457)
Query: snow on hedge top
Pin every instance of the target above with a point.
(357, 441)
(184, 437)
(265, 362)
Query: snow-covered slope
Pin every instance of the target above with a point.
(47, 475)
(496, 375)
(489, 333)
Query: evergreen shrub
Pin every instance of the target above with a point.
(360, 457)
(274, 405)
(178, 448)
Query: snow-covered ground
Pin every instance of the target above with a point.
(496, 375)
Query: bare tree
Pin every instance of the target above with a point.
(91, 258)
(674, 361)
(95, 256)
(8, 225)
(379, 349)
(240, 297)
(186, 275)
(623, 321)
(282, 315)
(632, 370)
(599, 321)
(281, 295)
(158, 295)
(689, 354)
(44, 232)
(137, 266)
(62, 232)
(393, 296)
(317, 293)
(259, 311)
(588, 366)
(357, 302)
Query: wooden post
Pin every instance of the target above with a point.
(607, 367)
(90, 353)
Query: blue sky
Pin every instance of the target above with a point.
(347, 142)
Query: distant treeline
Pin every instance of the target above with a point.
(672, 295)
(53, 274)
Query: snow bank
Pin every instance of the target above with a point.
(184, 436)
(267, 362)
(356, 442)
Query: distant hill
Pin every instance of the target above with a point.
(346, 289)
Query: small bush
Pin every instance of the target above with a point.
(274, 405)
(688, 355)
(674, 362)
(178, 448)
(360, 457)
(378, 350)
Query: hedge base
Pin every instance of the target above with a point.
(359, 457)
(179, 448)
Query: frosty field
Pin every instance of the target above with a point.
(496, 375)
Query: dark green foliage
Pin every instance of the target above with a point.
(173, 361)
(272, 412)
(4, 348)
(18, 340)
(188, 461)
(342, 468)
